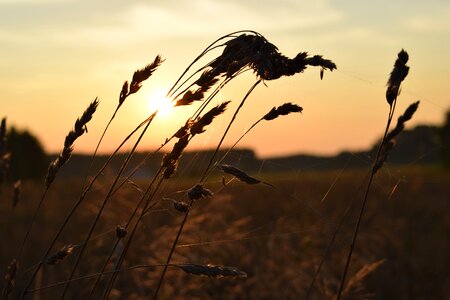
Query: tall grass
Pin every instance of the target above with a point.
(242, 51)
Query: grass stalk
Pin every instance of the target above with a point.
(364, 200)
(174, 244)
(108, 196)
(77, 204)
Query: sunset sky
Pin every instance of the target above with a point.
(58, 55)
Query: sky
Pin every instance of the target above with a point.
(56, 56)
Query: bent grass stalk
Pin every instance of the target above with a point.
(176, 153)
(214, 93)
(201, 180)
(138, 77)
(331, 242)
(60, 161)
(194, 269)
(123, 253)
(112, 280)
(77, 204)
(172, 90)
(228, 65)
(195, 115)
(265, 117)
(287, 68)
(398, 74)
(108, 196)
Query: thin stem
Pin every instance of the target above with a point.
(173, 249)
(196, 114)
(133, 232)
(47, 188)
(119, 263)
(96, 274)
(142, 163)
(234, 145)
(77, 204)
(364, 201)
(33, 220)
(228, 128)
(191, 76)
(330, 244)
(108, 196)
(216, 91)
(203, 177)
(98, 145)
(207, 49)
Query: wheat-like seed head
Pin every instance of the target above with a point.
(239, 174)
(398, 74)
(282, 110)
(390, 137)
(79, 129)
(212, 270)
(143, 74)
(60, 255)
(198, 192)
(199, 125)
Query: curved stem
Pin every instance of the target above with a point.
(364, 201)
(331, 242)
(108, 196)
(173, 249)
(234, 145)
(77, 204)
(228, 128)
(122, 254)
(96, 274)
(33, 220)
(133, 232)
(174, 244)
(207, 49)
(98, 145)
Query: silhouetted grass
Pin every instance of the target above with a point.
(265, 234)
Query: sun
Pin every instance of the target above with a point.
(157, 101)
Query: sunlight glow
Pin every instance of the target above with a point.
(158, 101)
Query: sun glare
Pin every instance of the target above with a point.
(159, 102)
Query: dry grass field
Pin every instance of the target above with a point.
(227, 233)
(276, 235)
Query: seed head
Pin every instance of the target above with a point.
(199, 126)
(241, 175)
(282, 110)
(212, 270)
(198, 192)
(60, 255)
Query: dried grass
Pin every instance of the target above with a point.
(241, 51)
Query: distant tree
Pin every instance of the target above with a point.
(444, 134)
(28, 158)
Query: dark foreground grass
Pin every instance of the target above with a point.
(277, 236)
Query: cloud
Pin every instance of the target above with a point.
(438, 23)
(199, 18)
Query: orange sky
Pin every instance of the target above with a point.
(56, 56)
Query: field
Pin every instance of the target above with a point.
(277, 235)
(204, 225)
